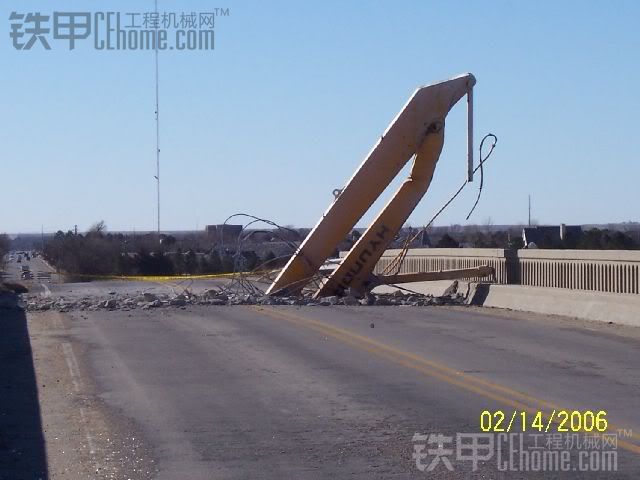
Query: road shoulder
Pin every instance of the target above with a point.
(83, 438)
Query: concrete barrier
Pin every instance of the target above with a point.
(598, 306)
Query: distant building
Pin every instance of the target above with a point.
(224, 233)
(551, 236)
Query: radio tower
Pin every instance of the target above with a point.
(157, 175)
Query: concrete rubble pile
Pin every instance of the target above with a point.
(147, 301)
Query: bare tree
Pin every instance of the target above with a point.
(98, 227)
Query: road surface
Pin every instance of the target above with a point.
(309, 392)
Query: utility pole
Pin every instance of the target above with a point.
(157, 176)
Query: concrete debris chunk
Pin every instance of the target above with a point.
(149, 297)
(350, 301)
(110, 304)
(451, 289)
(382, 301)
(217, 301)
(178, 301)
(326, 301)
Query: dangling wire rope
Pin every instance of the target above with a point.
(480, 166)
(396, 263)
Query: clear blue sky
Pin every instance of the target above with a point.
(294, 96)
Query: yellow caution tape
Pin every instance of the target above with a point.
(163, 278)
(166, 278)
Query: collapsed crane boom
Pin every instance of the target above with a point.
(418, 130)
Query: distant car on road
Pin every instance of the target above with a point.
(27, 275)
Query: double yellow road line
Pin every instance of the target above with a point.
(499, 393)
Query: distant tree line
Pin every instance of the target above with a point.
(592, 239)
(475, 238)
(603, 239)
(100, 253)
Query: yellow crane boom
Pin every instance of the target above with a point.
(417, 131)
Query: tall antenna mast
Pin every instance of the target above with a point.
(529, 210)
(157, 176)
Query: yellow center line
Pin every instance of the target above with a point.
(484, 388)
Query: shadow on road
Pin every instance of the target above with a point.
(22, 447)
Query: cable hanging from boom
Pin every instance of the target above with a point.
(397, 262)
(480, 166)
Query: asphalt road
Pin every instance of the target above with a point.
(13, 269)
(254, 392)
(317, 392)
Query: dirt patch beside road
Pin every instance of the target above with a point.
(83, 438)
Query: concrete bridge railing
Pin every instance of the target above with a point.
(614, 271)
